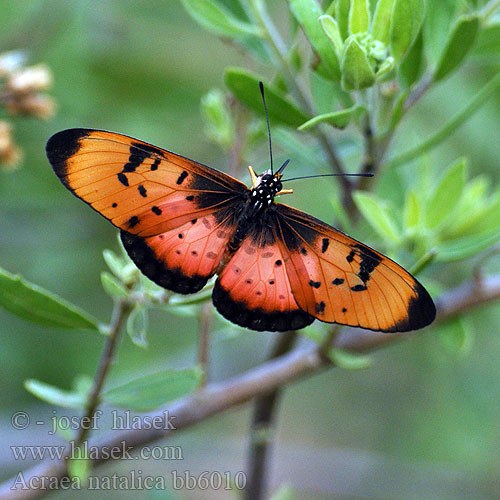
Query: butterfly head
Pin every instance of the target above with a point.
(265, 187)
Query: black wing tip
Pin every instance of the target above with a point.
(61, 146)
(257, 319)
(421, 311)
(156, 270)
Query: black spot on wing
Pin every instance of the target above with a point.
(137, 156)
(156, 210)
(123, 179)
(337, 281)
(142, 191)
(114, 205)
(156, 270)
(350, 257)
(190, 197)
(181, 177)
(257, 319)
(320, 308)
(324, 245)
(133, 221)
(314, 284)
(155, 164)
(358, 288)
(278, 263)
(369, 261)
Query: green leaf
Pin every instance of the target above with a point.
(488, 219)
(79, 466)
(413, 210)
(137, 326)
(412, 66)
(339, 119)
(467, 246)
(155, 390)
(331, 29)
(384, 72)
(456, 335)
(55, 395)
(397, 111)
(112, 286)
(357, 72)
(115, 263)
(33, 303)
(377, 214)
(438, 20)
(342, 9)
(307, 13)
(245, 86)
(218, 123)
(459, 44)
(348, 360)
(446, 194)
(488, 41)
(359, 16)
(216, 18)
(382, 21)
(407, 18)
(192, 299)
(473, 209)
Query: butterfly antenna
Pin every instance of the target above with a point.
(280, 171)
(261, 87)
(323, 175)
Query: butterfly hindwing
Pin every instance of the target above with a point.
(254, 291)
(182, 259)
(140, 188)
(338, 279)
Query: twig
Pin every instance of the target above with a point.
(204, 338)
(218, 397)
(120, 313)
(261, 432)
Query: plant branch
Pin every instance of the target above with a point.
(262, 432)
(218, 397)
(204, 340)
(121, 310)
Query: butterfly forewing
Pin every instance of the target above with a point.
(175, 214)
(140, 188)
(339, 280)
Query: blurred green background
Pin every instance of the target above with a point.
(421, 423)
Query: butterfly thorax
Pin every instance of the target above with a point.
(258, 201)
(262, 195)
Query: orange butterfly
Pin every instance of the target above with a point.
(278, 268)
